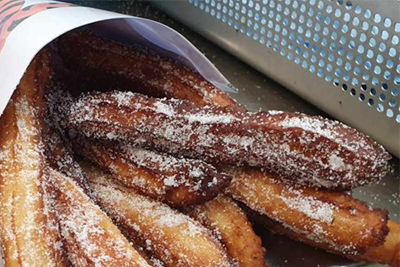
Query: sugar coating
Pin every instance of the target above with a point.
(83, 224)
(313, 150)
(24, 196)
(173, 236)
(312, 214)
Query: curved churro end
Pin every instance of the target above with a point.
(321, 153)
(329, 220)
(106, 64)
(90, 237)
(230, 225)
(172, 237)
(176, 181)
(389, 252)
(347, 151)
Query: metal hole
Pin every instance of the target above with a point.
(365, 26)
(363, 86)
(389, 113)
(338, 13)
(370, 54)
(387, 75)
(379, 58)
(392, 52)
(377, 70)
(382, 47)
(374, 30)
(373, 91)
(370, 102)
(356, 21)
(372, 42)
(344, 87)
(360, 49)
(380, 108)
(377, 18)
(387, 22)
(397, 27)
(358, 9)
(367, 13)
(357, 71)
(361, 97)
(336, 82)
(384, 35)
(353, 92)
(368, 65)
(395, 39)
(389, 63)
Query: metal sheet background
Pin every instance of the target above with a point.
(257, 91)
(271, 36)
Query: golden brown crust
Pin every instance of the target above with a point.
(176, 181)
(332, 221)
(389, 252)
(106, 64)
(90, 237)
(231, 226)
(28, 225)
(172, 237)
(313, 150)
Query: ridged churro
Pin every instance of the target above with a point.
(230, 225)
(90, 237)
(106, 64)
(176, 181)
(332, 221)
(172, 237)
(313, 150)
(28, 230)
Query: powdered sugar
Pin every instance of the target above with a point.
(317, 152)
(312, 208)
(157, 226)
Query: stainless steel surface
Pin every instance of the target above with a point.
(257, 91)
(342, 56)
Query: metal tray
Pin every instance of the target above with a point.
(340, 55)
(257, 91)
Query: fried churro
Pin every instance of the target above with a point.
(332, 221)
(28, 226)
(176, 181)
(105, 64)
(313, 150)
(172, 237)
(90, 237)
(230, 225)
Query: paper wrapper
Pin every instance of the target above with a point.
(27, 26)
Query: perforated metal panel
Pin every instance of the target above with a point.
(343, 56)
